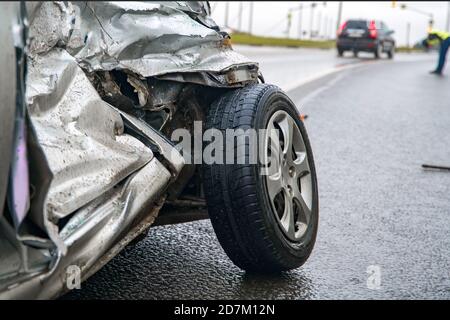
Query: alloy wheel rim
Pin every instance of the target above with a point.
(288, 177)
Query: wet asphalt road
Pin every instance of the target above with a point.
(371, 128)
(290, 67)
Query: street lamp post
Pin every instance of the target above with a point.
(447, 24)
(240, 16)
(227, 13)
(311, 20)
(289, 22)
(339, 16)
(300, 20)
(319, 23)
(408, 31)
(330, 28)
(250, 19)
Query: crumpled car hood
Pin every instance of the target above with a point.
(148, 39)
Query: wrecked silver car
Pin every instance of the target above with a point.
(93, 94)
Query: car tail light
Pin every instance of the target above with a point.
(373, 30)
(341, 28)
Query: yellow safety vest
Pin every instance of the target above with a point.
(437, 36)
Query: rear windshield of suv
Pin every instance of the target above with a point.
(356, 24)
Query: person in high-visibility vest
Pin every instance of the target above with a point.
(443, 39)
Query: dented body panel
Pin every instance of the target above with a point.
(149, 39)
(104, 82)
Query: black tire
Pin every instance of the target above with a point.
(355, 53)
(237, 200)
(390, 53)
(340, 52)
(377, 51)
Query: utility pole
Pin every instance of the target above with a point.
(325, 29)
(447, 25)
(408, 31)
(227, 13)
(332, 31)
(240, 16)
(311, 20)
(250, 19)
(300, 20)
(319, 23)
(289, 23)
(339, 16)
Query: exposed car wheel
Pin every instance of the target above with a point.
(265, 223)
(390, 53)
(355, 53)
(377, 52)
(340, 52)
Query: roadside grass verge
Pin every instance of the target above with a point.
(245, 38)
(406, 49)
(248, 39)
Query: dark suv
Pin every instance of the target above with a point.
(365, 35)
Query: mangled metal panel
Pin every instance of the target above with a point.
(149, 39)
(98, 228)
(88, 162)
(81, 137)
(106, 178)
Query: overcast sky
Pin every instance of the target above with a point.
(270, 16)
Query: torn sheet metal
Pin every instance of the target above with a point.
(103, 179)
(93, 164)
(97, 228)
(148, 39)
(81, 137)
